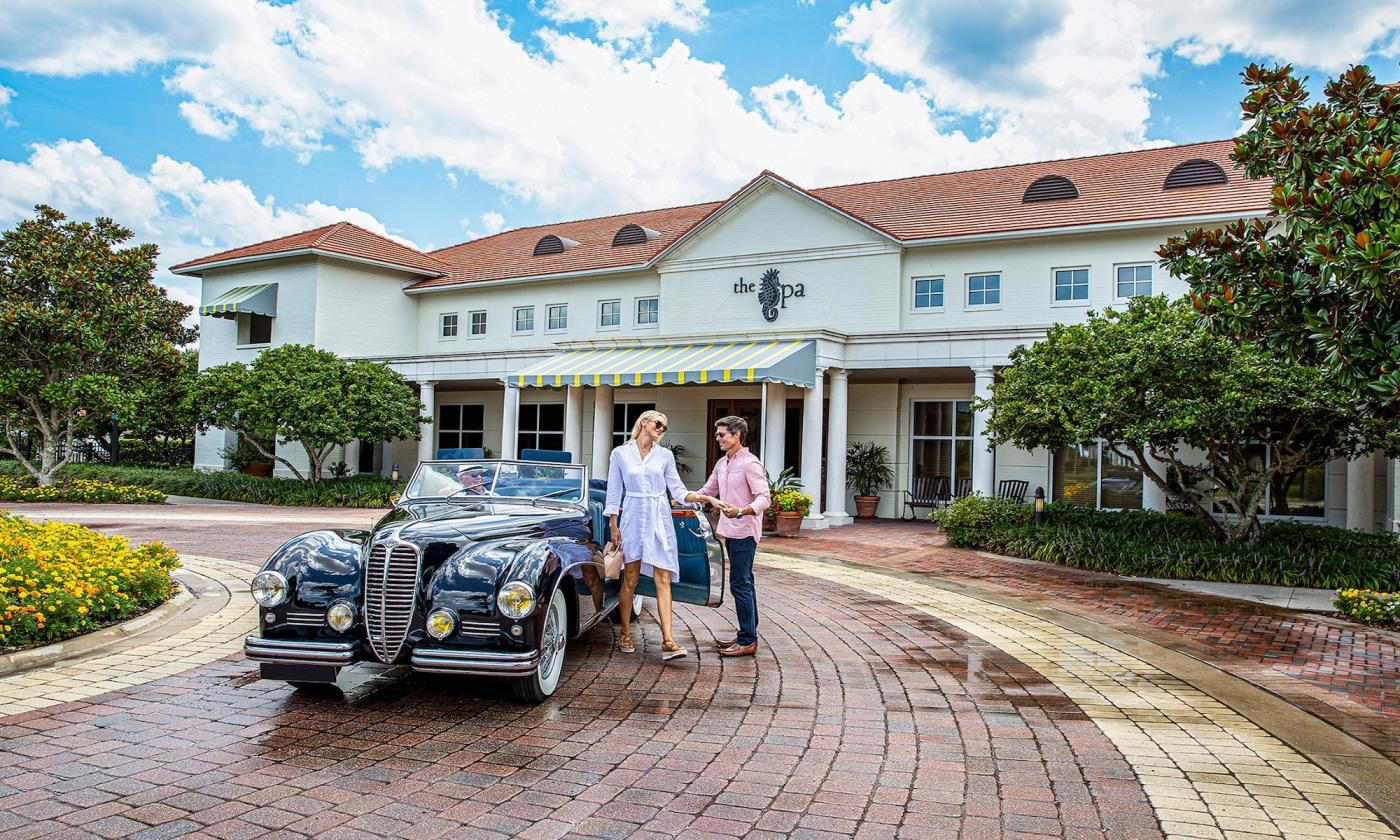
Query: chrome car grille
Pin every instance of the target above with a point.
(481, 628)
(391, 591)
(306, 618)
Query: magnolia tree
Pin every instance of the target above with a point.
(1186, 406)
(299, 393)
(82, 326)
(1319, 280)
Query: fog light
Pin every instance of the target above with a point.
(340, 616)
(441, 623)
(516, 629)
(269, 588)
(270, 617)
(516, 600)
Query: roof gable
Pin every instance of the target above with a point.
(340, 239)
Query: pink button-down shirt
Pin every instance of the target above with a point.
(739, 480)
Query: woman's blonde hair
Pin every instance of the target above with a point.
(644, 417)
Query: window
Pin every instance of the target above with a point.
(460, 426)
(984, 290)
(1301, 493)
(1134, 280)
(648, 311)
(1092, 476)
(943, 443)
(557, 317)
(447, 325)
(609, 314)
(928, 292)
(525, 319)
(259, 329)
(1071, 284)
(476, 323)
(624, 415)
(541, 426)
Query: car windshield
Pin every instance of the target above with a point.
(464, 479)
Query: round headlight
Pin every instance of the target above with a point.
(516, 600)
(269, 588)
(441, 623)
(340, 616)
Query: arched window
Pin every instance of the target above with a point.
(1050, 188)
(1195, 173)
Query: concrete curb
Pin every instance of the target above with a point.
(25, 660)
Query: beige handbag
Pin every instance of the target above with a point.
(612, 561)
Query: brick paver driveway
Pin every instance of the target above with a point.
(882, 704)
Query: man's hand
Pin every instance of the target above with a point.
(731, 511)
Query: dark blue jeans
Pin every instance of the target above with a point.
(741, 554)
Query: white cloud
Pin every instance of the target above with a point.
(493, 222)
(7, 96)
(582, 126)
(629, 20)
(173, 204)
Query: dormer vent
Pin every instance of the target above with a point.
(1050, 188)
(633, 235)
(1195, 173)
(551, 244)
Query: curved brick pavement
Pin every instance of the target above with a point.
(878, 708)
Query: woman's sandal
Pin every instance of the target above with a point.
(625, 645)
(671, 650)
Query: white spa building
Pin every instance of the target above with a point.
(864, 312)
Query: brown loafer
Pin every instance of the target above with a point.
(739, 650)
(729, 642)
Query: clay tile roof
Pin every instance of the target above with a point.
(1122, 187)
(340, 238)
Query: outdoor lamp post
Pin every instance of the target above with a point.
(394, 476)
(1039, 503)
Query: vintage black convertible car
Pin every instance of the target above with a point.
(483, 568)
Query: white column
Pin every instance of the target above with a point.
(1154, 497)
(983, 461)
(510, 422)
(812, 452)
(573, 423)
(427, 444)
(602, 430)
(835, 513)
(1395, 495)
(774, 427)
(352, 456)
(1361, 493)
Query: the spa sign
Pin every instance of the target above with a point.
(772, 295)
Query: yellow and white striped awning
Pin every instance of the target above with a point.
(787, 361)
(258, 300)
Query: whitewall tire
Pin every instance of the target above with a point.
(540, 685)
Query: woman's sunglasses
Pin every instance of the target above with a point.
(660, 427)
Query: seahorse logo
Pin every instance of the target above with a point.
(769, 294)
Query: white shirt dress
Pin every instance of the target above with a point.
(647, 532)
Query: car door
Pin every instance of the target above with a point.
(703, 562)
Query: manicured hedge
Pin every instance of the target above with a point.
(59, 579)
(24, 489)
(1149, 544)
(356, 491)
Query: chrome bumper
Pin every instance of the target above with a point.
(298, 652)
(485, 663)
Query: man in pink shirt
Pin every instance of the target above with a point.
(741, 485)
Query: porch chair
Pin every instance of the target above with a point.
(470, 453)
(963, 488)
(1014, 489)
(553, 456)
(928, 491)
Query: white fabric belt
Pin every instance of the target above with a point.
(632, 495)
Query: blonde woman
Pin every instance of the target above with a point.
(645, 470)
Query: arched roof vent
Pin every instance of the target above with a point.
(1050, 188)
(1195, 173)
(551, 244)
(633, 235)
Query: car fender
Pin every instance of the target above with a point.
(321, 566)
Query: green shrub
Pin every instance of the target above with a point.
(355, 491)
(1369, 607)
(1148, 544)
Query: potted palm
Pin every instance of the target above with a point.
(791, 506)
(867, 470)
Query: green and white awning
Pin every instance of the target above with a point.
(256, 300)
(787, 361)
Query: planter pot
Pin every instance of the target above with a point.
(865, 506)
(789, 523)
(770, 521)
(263, 470)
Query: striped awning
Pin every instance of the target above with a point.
(786, 361)
(257, 300)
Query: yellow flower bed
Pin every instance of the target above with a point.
(59, 579)
(1369, 606)
(78, 490)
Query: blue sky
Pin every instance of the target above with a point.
(437, 122)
